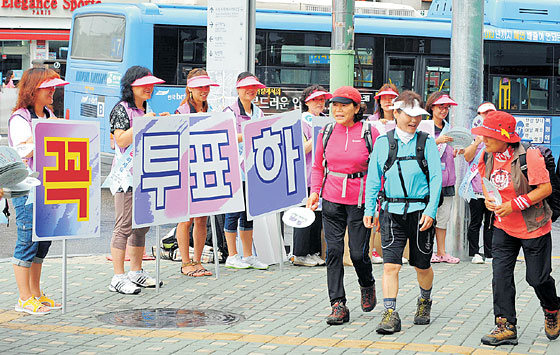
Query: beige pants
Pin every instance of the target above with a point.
(123, 231)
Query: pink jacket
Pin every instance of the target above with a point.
(346, 153)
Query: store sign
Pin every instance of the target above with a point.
(50, 8)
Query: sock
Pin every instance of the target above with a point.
(425, 294)
(390, 303)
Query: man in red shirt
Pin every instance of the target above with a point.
(522, 221)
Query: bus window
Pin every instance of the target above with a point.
(363, 61)
(436, 77)
(520, 94)
(98, 37)
(557, 95)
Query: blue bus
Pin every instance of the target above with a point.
(521, 57)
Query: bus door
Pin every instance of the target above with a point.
(401, 70)
(436, 75)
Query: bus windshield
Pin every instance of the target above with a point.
(98, 37)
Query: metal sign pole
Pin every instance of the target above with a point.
(215, 245)
(280, 241)
(64, 275)
(158, 256)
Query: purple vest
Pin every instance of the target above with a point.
(448, 172)
(131, 113)
(26, 115)
(241, 117)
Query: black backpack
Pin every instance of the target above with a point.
(422, 162)
(553, 200)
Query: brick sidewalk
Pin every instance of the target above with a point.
(284, 313)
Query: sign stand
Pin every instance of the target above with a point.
(280, 241)
(215, 245)
(64, 275)
(158, 256)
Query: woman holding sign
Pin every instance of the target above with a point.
(339, 174)
(307, 241)
(35, 97)
(522, 222)
(137, 86)
(198, 88)
(244, 109)
(438, 105)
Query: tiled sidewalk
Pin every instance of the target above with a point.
(284, 313)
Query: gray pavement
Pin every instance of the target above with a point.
(284, 313)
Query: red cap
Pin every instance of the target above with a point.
(499, 125)
(147, 80)
(388, 91)
(318, 93)
(49, 83)
(445, 99)
(346, 95)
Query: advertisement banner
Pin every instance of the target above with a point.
(274, 163)
(160, 170)
(215, 179)
(68, 201)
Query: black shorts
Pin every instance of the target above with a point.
(395, 231)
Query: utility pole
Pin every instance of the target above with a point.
(466, 89)
(342, 44)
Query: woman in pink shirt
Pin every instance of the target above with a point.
(341, 182)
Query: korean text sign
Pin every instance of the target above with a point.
(215, 178)
(68, 201)
(160, 170)
(274, 163)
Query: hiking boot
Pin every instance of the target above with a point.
(390, 323)
(368, 299)
(505, 333)
(552, 324)
(423, 308)
(340, 314)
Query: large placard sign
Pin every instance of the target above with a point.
(68, 201)
(274, 163)
(215, 178)
(160, 170)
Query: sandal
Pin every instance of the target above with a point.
(203, 269)
(192, 273)
(435, 258)
(31, 306)
(48, 302)
(448, 258)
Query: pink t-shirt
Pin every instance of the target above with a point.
(346, 153)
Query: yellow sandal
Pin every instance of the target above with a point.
(31, 306)
(49, 302)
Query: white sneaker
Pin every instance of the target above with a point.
(121, 284)
(254, 263)
(376, 258)
(404, 260)
(143, 279)
(235, 262)
(318, 259)
(477, 259)
(304, 261)
(488, 260)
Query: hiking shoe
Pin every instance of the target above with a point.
(423, 308)
(390, 322)
(477, 259)
(235, 262)
(304, 261)
(255, 263)
(340, 314)
(368, 298)
(318, 259)
(121, 284)
(143, 279)
(505, 333)
(552, 324)
(376, 258)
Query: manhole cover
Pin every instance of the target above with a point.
(169, 318)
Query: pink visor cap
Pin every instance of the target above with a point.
(485, 107)
(445, 99)
(318, 93)
(200, 81)
(250, 81)
(385, 92)
(52, 83)
(147, 80)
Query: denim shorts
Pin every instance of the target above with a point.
(27, 251)
(230, 224)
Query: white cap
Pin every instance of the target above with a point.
(412, 111)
